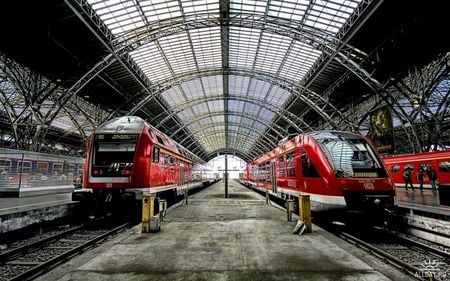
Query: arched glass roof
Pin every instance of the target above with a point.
(230, 52)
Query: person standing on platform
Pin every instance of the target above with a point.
(432, 175)
(420, 176)
(407, 176)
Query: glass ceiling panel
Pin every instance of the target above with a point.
(207, 47)
(248, 6)
(177, 51)
(213, 85)
(272, 50)
(200, 6)
(252, 50)
(151, 62)
(298, 62)
(243, 46)
(237, 106)
(192, 89)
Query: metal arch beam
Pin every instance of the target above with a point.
(203, 128)
(312, 99)
(286, 28)
(204, 116)
(220, 134)
(279, 111)
(306, 34)
(239, 154)
(215, 134)
(264, 148)
(221, 113)
(132, 40)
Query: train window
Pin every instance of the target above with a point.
(290, 164)
(108, 153)
(42, 168)
(57, 168)
(308, 168)
(172, 161)
(26, 169)
(70, 170)
(159, 139)
(444, 166)
(155, 157)
(395, 169)
(5, 165)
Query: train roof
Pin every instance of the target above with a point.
(17, 153)
(417, 156)
(333, 134)
(122, 125)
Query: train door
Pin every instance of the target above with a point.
(273, 176)
(181, 187)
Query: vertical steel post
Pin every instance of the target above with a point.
(148, 204)
(304, 209)
(226, 176)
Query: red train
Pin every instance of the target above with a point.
(126, 157)
(439, 161)
(339, 170)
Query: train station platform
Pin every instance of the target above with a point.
(423, 212)
(17, 213)
(425, 201)
(213, 238)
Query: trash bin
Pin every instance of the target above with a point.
(444, 194)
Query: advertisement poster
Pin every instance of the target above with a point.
(381, 130)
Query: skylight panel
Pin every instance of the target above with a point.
(213, 85)
(177, 50)
(207, 47)
(277, 96)
(237, 106)
(150, 60)
(218, 119)
(301, 58)
(248, 6)
(238, 85)
(196, 7)
(216, 106)
(251, 109)
(243, 46)
(266, 114)
(119, 16)
(258, 89)
(272, 50)
(292, 10)
(200, 109)
(174, 96)
(193, 89)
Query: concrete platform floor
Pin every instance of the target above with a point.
(213, 238)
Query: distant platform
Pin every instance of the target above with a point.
(214, 238)
(425, 201)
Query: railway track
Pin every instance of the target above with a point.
(29, 260)
(416, 258)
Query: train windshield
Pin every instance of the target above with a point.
(107, 153)
(350, 155)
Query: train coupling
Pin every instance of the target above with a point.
(82, 195)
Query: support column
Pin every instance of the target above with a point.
(304, 210)
(225, 176)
